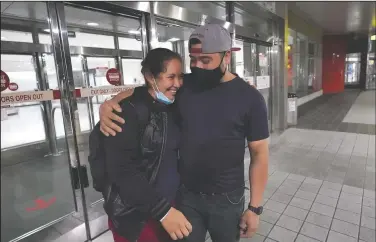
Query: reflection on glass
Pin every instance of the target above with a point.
(352, 68)
(187, 59)
(249, 57)
(132, 71)
(84, 39)
(18, 36)
(35, 186)
(14, 132)
(263, 80)
(98, 67)
(129, 44)
(175, 38)
(239, 58)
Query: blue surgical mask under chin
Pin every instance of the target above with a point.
(163, 99)
(160, 96)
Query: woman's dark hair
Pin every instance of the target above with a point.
(156, 59)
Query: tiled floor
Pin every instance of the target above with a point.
(339, 157)
(363, 110)
(106, 237)
(339, 112)
(321, 188)
(300, 208)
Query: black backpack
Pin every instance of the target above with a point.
(97, 156)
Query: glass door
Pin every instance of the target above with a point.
(246, 61)
(263, 77)
(36, 186)
(254, 62)
(175, 37)
(101, 46)
(352, 69)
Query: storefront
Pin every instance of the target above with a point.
(303, 66)
(55, 57)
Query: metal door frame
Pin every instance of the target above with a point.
(64, 71)
(63, 52)
(268, 102)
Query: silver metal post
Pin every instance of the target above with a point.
(89, 100)
(59, 35)
(230, 17)
(151, 27)
(118, 62)
(144, 37)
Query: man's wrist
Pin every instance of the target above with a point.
(256, 210)
(255, 203)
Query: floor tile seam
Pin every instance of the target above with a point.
(331, 223)
(267, 236)
(305, 219)
(361, 212)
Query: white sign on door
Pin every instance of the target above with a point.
(263, 82)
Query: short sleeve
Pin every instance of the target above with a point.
(256, 118)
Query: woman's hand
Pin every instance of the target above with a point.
(176, 224)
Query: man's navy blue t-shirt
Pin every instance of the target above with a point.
(214, 125)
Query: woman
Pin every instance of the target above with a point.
(142, 162)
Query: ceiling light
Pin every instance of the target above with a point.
(92, 24)
(3, 38)
(173, 39)
(373, 37)
(134, 32)
(47, 30)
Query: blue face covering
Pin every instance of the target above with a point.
(160, 96)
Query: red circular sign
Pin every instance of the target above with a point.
(4, 81)
(13, 86)
(113, 76)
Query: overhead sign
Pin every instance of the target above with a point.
(21, 97)
(72, 34)
(37, 96)
(113, 76)
(4, 81)
(104, 90)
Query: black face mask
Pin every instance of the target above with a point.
(204, 79)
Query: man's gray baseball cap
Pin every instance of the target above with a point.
(214, 39)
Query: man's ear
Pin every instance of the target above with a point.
(227, 58)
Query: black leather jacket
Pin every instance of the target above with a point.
(127, 220)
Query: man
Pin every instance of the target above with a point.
(218, 110)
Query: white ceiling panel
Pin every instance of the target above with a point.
(340, 17)
(74, 16)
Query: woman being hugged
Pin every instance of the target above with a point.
(141, 163)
